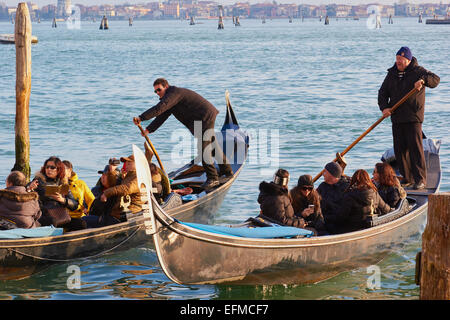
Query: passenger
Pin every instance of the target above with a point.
(388, 184)
(156, 182)
(275, 203)
(128, 187)
(112, 166)
(17, 205)
(332, 191)
(55, 208)
(80, 191)
(100, 211)
(360, 200)
(303, 196)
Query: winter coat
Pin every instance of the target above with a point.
(395, 88)
(391, 194)
(356, 206)
(186, 105)
(82, 193)
(332, 195)
(20, 206)
(47, 203)
(300, 203)
(128, 187)
(276, 205)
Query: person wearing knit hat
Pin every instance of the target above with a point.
(334, 169)
(332, 191)
(405, 75)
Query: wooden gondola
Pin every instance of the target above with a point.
(198, 254)
(25, 256)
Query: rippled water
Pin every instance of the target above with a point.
(313, 86)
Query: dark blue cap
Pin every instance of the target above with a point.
(405, 52)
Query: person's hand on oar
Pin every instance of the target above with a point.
(137, 121)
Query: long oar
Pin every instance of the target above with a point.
(152, 147)
(402, 100)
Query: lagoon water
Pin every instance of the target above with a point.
(310, 88)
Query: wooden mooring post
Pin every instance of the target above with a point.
(22, 34)
(433, 263)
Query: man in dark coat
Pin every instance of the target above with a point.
(407, 120)
(188, 107)
(332, 191)
(18, 205)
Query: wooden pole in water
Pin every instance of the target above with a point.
(22, 34)
(435, 257)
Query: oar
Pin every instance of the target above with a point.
(400, 102)
(153, 148)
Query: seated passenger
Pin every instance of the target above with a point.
(275, 203)
(81, 192)
(303, 197)
(360, 200)
(331, 191)
(112, 167)
(388, 184)
(128, 187)
(17, 205)
(100, 212)
(55, 208)
(156, 182)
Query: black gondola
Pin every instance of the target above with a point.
(22, 257)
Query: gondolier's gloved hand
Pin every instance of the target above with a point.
(137, 120)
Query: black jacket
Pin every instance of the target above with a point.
(356, 206)
(331, 196)
(186, 105)
(390, 194)
(395, 88)
(276, 205)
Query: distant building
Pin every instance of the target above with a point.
(63, 8)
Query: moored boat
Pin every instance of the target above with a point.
(10, 39)
(198, 254)
(31, 254)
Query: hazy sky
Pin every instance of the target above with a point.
(41, 3)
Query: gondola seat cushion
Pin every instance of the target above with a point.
(20, 233)
(264, 232)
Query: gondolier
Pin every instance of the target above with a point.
(188, 107)
(407, 119)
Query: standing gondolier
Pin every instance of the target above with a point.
(188, 107)
(407, 120)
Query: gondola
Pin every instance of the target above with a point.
(252, 254)
(26, 255)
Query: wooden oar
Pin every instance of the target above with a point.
(153, 148)
(400, 102)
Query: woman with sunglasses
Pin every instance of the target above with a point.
(387, 183)
(52, 173)
(306, 204)
(275, 203)
(360, 201)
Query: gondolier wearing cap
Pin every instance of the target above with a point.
(407, 120)
(188, 107)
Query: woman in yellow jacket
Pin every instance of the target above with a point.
(80, 191)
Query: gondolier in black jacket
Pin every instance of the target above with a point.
(408, 118)
(188, 106)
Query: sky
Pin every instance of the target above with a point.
(42, 3)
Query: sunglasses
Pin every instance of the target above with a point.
(158, 90)
(307, 188)
(50, 167)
